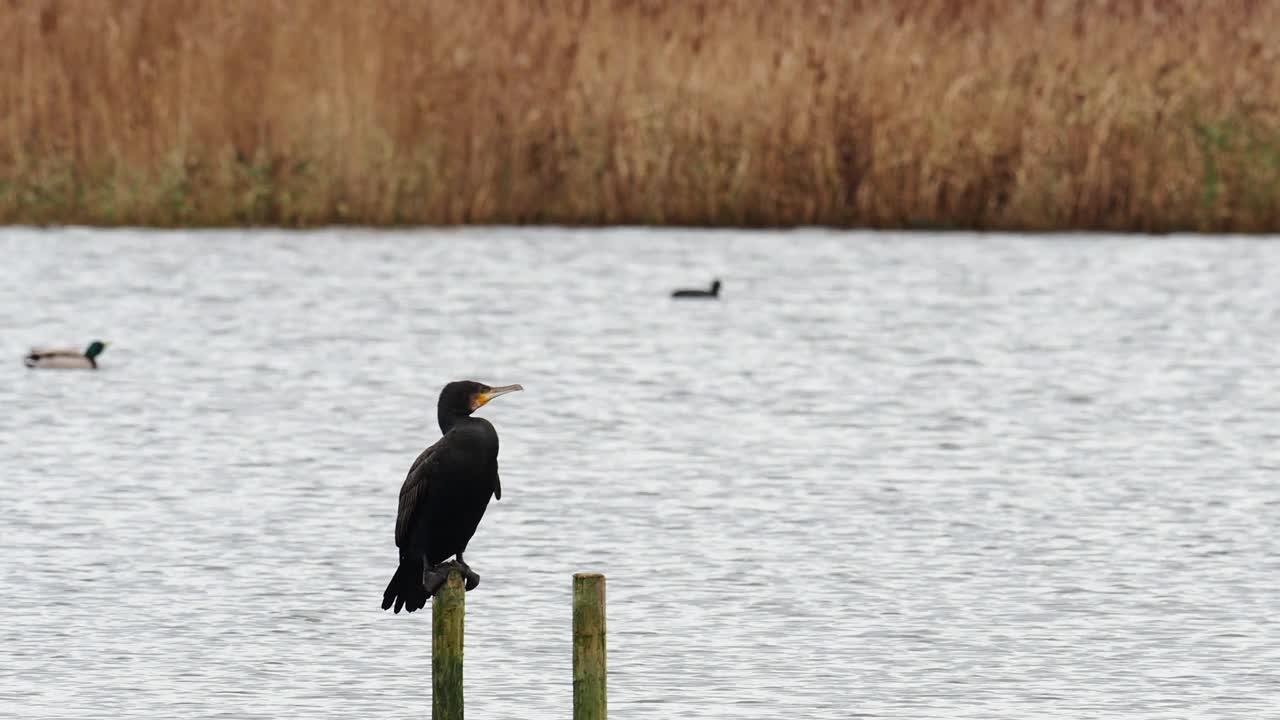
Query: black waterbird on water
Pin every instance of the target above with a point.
(445, 495)
(714, 292)
(66, 358)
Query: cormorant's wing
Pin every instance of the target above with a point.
(413, 493)
(436, 464)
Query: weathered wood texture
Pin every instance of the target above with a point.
(589, 675)
(447, 609)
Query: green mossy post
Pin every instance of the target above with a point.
(589, 677)
(447, 609)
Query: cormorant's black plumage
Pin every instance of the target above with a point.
(445, 494)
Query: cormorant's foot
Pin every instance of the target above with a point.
(469, 576)
(434, 578)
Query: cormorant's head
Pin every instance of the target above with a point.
(715, 287)
(95, 348)
(464, 397)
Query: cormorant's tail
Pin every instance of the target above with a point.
(405, 589)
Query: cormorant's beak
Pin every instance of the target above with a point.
(481, 398)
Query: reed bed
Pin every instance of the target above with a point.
(1130, 115)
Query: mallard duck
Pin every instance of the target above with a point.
(66, 358)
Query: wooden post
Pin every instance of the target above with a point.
(447, 609)
(589, 697)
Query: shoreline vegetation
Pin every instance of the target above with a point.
(1109, 115)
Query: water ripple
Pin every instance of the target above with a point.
(885, 476)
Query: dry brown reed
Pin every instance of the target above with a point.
(1147, 115)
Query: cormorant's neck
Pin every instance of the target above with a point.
(449, 418)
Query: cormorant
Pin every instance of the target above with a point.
(445, 495)
(66, 358)
(714, 292)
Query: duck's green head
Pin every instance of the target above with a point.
(95, 348)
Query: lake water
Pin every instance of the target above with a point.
(885, 476)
